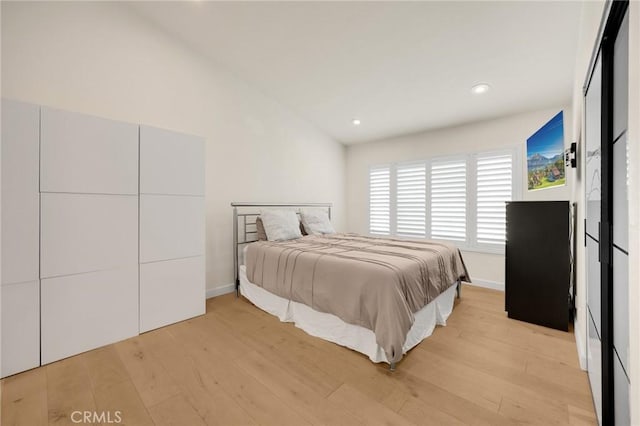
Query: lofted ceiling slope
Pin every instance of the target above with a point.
(399, 67)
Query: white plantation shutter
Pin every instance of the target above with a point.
(411, 199)
(460, 199)
(380, 200)
(449, 200)
(494, 187)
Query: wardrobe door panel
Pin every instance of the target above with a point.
(86, 232)
(171, 227)
(171, 291)
(171, 162)
(85, 311)
(20, 327)
(20, 192)
(86, 154)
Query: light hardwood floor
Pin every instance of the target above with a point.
(238, 365)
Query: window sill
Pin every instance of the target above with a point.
(498, 251)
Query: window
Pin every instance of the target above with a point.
(494, 187)
(460, 199)
(449, 200)
(411, 199)
(380, 200)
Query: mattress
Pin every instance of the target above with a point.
(331, 328)
(379, 284)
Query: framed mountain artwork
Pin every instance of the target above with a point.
(545, 156)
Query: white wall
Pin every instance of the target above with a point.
(99, 58)
(487, 135)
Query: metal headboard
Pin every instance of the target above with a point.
(246, 232)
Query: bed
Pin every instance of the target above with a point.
(378, 296)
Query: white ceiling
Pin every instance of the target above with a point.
(400, 67)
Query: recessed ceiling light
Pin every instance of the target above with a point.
(355, 122)
(480, 88)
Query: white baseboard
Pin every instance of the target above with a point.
(219, 291)
(494, 285)
(582, 355)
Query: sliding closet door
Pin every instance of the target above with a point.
(593, 186)
(619, 243)
(606, 111)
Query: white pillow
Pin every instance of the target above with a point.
(316, 222)
(280, 225)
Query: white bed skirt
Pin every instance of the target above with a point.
(330, 327)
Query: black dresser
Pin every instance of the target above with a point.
(538, 265)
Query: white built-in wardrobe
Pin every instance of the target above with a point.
(102, 232)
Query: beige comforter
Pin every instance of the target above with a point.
(376, 283)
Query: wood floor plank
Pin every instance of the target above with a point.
(580, 417)
(361, 406)
(286, 345)
(69, 389)
(511, 333)
(559, 373)
(122, 397)
(420, 413)
(515, 369)
(521, 411)
(449, 403)
(24, 399)
(454, 378)
(255, 398)
(395, 399)
(476, 355)
(515, 349)
(147, 374)
(296, 394)
(238, 365)
(545, 406)
(105, 367)
(201, 390)
(175, 411)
